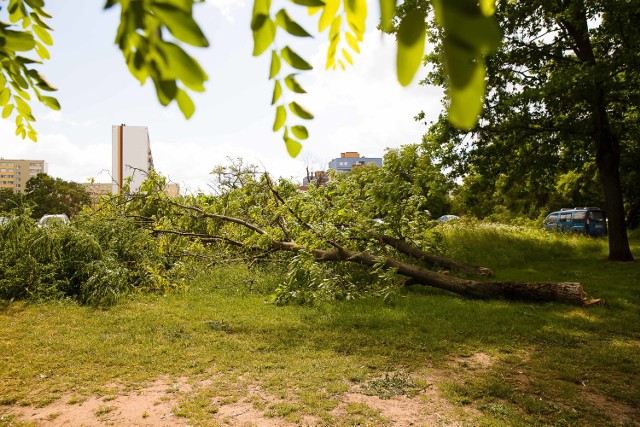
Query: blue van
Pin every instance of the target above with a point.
(588, 220)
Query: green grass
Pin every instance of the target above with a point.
(550, 364)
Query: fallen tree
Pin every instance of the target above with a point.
(262, 219)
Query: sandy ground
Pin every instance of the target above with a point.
(154, 405)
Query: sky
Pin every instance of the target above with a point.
(361, 109)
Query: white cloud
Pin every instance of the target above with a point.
(227, 8)
(65, 160)
(59, 117)
(190, 163)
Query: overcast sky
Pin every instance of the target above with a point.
(363, 109)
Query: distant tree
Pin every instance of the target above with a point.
(50, 195)
(9, 200)
(563, 96)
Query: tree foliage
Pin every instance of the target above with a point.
(561, 104)
(98, 260)
(49, 195)
(152, 35)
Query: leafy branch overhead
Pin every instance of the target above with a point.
(25, 32)
(470, 33)
(152, 35)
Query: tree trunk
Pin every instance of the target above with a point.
(606, 141)
(566, 292)
(411, 250)
(608, 161)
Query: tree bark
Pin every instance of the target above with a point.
(606, 141)
(566, 292)
(411, 250)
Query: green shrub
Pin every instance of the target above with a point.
(97, 260)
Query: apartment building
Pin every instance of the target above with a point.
(352, 159)
(98, 190)
(14, 173)
(131, 156)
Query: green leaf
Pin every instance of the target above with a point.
(260, 13)
(300, 132)
(185, 103)
(5, 95)
(277, 91)
(23, 107)
(7, 110)
(34, 4)
(263, 37)
(180, 23)
(466, 102)
(293, 85)
(387, 10)
(290, 26)
(356, 14)
(470, 28)
(487, 7)
(461, 63)
(183, 67)
(334, 31)
(310, 3)
(347, 56)
(275, 64)
(43, 35)
(166, 90)
(293, 147)
(281, 117)
(39, 21)
(411, 40)
(18, 41)
(328, 13)
(50, 102)
(352, 42)
(294, 59)
(299, 111)
(42, 51)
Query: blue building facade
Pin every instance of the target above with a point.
(351, 159)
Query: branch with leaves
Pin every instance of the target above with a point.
(152, 35)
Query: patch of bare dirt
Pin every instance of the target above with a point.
(619, 413)
(153, 406)
(425, 409)
(475, 361)
(149, 406)
(244, 413)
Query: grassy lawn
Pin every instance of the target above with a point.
(220, 352)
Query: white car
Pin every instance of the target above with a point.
(49, 219)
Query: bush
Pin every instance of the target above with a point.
(96, 260)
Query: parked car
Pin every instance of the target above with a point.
(445, 218)
(50, 219)
(588, 220)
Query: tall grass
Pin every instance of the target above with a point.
(498, 245)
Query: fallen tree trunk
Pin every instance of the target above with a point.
(411, 250)
(566, 292)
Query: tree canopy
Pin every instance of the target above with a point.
(50, 195)
(561, 109)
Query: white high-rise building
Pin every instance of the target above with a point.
(131, 150)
